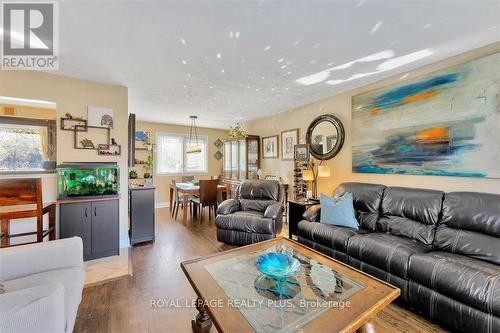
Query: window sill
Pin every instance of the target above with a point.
(24, 173)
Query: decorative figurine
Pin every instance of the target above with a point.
(113, 142)
(68, 115)
(87, 143)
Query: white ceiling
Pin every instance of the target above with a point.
(236, 61)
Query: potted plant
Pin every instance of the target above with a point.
(148, 145)
(132, 174)
(148, 167)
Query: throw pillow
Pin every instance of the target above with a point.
(338, 211)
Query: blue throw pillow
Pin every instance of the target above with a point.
(338, 211)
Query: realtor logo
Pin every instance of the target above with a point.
(30, 35)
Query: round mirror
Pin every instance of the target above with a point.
(325, 137)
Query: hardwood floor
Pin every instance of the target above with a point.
(125, 305)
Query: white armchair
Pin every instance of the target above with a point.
(43, 286)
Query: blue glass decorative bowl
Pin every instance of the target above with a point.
(277, 265)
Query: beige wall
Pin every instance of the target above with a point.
(74, 95)
(163, 182)
(341, 165)
(29, 112)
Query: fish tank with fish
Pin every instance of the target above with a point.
(87, 180)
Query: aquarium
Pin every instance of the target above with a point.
(77, 180)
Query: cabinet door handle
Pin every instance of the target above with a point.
(86, 212)
(95, 211)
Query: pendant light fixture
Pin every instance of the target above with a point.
(193, 146)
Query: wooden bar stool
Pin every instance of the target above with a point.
(21, 198)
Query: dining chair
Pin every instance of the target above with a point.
(22, 198)
(208, 198)
(177, 200)
(187, 179)
(220, 195)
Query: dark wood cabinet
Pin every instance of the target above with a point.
(76, 221)
(295, 211)
(95, 222)
(142, 214)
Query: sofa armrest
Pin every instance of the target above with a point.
(36, 309)
(312, 214)
(274, 210)
(19, 261)
(228, 206)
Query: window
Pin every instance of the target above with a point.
(26, 144)
(172, 157)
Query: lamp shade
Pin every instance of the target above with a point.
(307, 175)
(323, 171)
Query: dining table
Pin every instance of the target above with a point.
(189, 189)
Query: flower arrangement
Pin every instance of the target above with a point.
(237, 131)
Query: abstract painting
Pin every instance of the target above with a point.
(445, 124)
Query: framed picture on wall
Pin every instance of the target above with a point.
(301, 152)
(289, 139)
(270, 147)
(99, 117)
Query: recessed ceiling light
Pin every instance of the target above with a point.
(428, 25)
(222, 71)
(184, 62)
(281, 60)
(183, 41)
(267, 48)
(219, 56)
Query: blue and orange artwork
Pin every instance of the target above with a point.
(445, 124)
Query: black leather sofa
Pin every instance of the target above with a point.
(254, 215)
(441, 249)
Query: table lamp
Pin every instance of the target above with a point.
(312, 176)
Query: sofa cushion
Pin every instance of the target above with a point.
(470, 281)
(35, 309)
(366, 200)
(332, 236)
(412, 213)
(247, 221)
(338, 211)
(470, 225)
(71, 278)
(385, 251)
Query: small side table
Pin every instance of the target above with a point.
(295, 210)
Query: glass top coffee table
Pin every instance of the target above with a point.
(324, 296)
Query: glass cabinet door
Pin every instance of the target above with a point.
(227, 159)
(243, 159)
(253, 157)
(234, 159)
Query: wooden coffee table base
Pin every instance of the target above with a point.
(202, 323)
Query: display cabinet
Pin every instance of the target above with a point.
(241, 159)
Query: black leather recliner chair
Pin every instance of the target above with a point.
(253, 216)
(441, 249)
